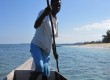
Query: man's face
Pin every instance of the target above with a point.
(56, 5)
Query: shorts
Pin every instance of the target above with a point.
(41, 59)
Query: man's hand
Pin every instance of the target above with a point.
(47, 10)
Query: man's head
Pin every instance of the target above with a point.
(56, 5)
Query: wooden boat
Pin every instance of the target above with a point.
(23, 73)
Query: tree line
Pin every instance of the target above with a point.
(105, 39)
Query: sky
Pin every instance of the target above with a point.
(79, 20)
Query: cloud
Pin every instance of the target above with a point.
(89, 32)
(103, 25)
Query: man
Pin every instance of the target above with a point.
(42, 41)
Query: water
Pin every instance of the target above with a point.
(75, 63)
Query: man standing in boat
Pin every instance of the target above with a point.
(41, 43)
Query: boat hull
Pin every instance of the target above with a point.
(25, 75)
(24, 72)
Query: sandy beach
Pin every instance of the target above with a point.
(97, 45)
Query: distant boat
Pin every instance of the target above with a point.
(23, 73)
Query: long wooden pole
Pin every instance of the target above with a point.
(54, 44)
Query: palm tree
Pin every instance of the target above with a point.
(108, 33)
(106, 38)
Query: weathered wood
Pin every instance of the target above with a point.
(28, 65)
(24, 72)
(25, 75)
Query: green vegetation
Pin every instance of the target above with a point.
(92, 42)
(106, 38)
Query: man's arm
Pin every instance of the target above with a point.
(38, 22)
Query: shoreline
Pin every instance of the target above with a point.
(96, 45)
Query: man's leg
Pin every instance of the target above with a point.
(36, 53)
(46, 60)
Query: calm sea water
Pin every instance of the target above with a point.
(75, 63)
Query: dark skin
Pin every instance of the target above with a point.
(54, 9)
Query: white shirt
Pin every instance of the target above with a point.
(43, 34)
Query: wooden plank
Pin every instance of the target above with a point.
(23, 72)
(28, 65)
(25, 75)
